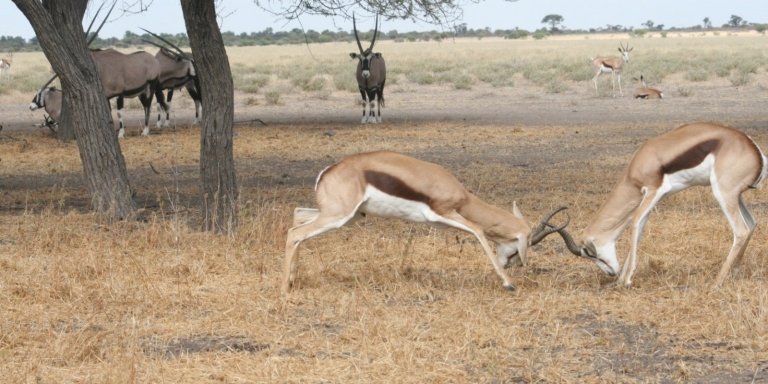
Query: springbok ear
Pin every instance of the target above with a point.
(516, 211)
(353, 55)
(620, 50)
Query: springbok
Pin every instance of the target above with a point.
(122, 76)
(692, 154)
(176, 71)
(371, 75)
(5, 67)
(612, 65)
(389, 184)
(643, 91)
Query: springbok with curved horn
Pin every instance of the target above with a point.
(612, 65)
(692, 154)
(643, 91)
(5, 67)
(389, 184)
(371, 75)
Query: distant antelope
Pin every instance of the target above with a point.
(643, 91)
(371, 75)
(5, 67)
(612, 65)
(389, 184)
(176, 71)
(122, 75)
(690, 155)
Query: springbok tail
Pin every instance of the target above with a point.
(304, 215)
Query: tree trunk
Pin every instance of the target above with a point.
(85, 110)
(217, 164)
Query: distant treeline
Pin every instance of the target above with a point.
(298, 36)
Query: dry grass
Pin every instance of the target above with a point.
(379, 301)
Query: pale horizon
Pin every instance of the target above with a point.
(246, 16)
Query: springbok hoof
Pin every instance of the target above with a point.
(510, 287)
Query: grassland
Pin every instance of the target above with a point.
(155, 300)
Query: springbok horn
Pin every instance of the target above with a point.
(570, 243)
(174, 46)
(545, 228)
(375, 32)
(357, 38)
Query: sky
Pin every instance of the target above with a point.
(164, 16)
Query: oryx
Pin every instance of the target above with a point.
(176, 71)
(122, 75)
(371, 75)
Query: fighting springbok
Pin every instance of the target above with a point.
(643, 91)
(122, 76)
(389, 184)
(5, 67)
(371, 75)
(692, 154)
(612, 65)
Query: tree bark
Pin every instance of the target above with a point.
(85, 110)
(217, 164)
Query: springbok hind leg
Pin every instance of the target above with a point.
(743, 225)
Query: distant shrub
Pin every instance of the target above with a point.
(539, 35)
(517, 34)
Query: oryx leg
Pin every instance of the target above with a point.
(164, 109)
(742, 223)
(365, 101)
(651, 197)
(146, 102)
(371, 101)
(380, 103)
(120, 103)
(192, 91)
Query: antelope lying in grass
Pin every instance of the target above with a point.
(392, 185)
(613, 65)
(693, 154)
(643, 91)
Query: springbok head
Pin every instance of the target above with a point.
(625, 51)
(366, 55)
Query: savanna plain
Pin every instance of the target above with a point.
(155, 300)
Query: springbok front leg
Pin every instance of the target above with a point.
(311, 226)
(651, 197)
